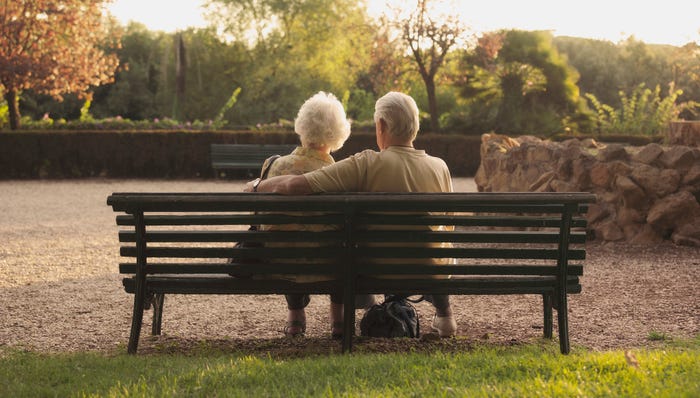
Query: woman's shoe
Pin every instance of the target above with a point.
(446, 326)
(295, 329)
(337, 330)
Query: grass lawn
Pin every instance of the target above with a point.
(672, 370)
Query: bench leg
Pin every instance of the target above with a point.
(348, 326)
(137, 317)
(548, 317)
(348, 319)
(563, 324)
(157, 313)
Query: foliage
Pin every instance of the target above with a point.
(672, 370)
(515, 82)
(53, 47)
(117, 123)
(388, 69)
(88, 122)
(4, 118)
(85, 115)
(219, 120)
(598, 63)
(429, 41)
(145, 87)
(607, 68)
(280, 52)
(684, 63)
(297, 48)
(643, 112)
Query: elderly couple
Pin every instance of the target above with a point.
(398, 167)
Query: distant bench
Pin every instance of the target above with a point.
(502, 243)
(245, 157)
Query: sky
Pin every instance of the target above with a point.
(675, 22)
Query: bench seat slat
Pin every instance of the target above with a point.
(469, 253)
(232, 219)
(375, 202)
(475, 221)
(466, 236)
(368, 252)
(326, 219)
(336, 219)
(457, 270)
(366, 236)
(229, 285)
(483, 285)
(224, 268)
(225, 252)
(233, 236)
(330, 269)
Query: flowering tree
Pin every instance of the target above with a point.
(53, 47)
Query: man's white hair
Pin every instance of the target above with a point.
(321, 121)
(400, 113)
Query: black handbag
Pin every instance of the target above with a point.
(247, 244)
(395, 317)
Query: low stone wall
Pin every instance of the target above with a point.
(645, 194)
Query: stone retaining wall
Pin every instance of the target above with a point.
(645, 194)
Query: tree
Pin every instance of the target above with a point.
(530, 87)
(429, 42)
(599, 65)
(296, 47)
(53, 47)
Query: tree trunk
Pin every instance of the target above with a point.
(13, 108)
(432, 105)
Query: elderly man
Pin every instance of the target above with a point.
(398, 167)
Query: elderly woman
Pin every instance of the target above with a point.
(322, 128)
(397, 167)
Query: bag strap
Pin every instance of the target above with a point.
(399, 297)
(268, 166)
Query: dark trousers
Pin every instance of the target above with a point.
(300, 301)
(441, 302)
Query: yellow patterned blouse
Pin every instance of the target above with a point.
(300, 161)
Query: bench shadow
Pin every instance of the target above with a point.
(291, 348)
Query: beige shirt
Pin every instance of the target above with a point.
(395, 169)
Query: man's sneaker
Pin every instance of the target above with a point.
(444, 325)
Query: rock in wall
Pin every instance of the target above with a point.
(645, 194)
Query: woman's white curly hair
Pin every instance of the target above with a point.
(321, 121)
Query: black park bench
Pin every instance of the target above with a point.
(245, 157)
(501, 243)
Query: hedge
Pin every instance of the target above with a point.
(176, 154)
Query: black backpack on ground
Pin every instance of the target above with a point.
(395, 317)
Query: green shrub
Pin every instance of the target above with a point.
(643, 112)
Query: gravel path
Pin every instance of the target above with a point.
(60, 290)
